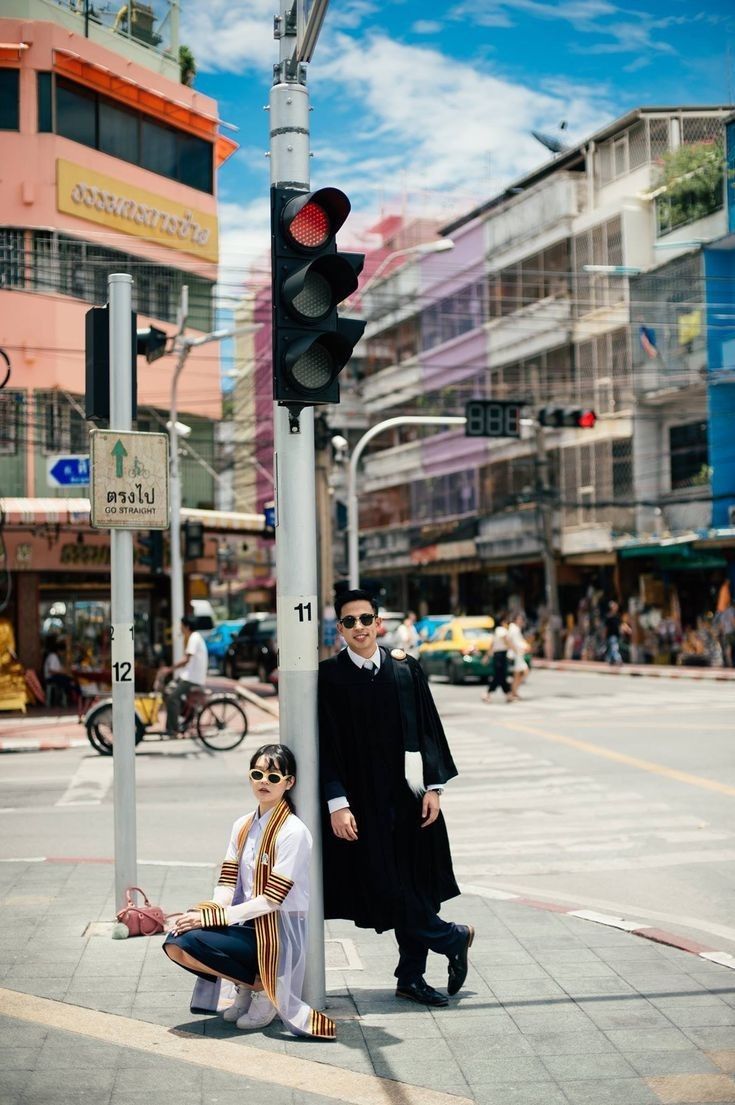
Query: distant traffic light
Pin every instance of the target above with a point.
(97, 364)
(310, 278)
(193, 540)
(153, 551)
(151, 343)
(557, 417)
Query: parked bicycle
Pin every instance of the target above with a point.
(216, 718)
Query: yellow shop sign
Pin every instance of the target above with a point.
(102, 199)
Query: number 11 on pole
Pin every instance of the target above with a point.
(298, 633)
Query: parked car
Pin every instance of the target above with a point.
(254, 650)
(219, 640)
(457, 649)
(427, 627)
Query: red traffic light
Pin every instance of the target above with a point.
(310, 220)
(311, 228)
(581, 417)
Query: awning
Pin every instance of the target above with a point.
(227, 521)
(127, 91)
(34, 512)
(682, 557)
(73, 512)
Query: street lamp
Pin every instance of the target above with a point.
(352, 518)
(183, 346)
(439, 245)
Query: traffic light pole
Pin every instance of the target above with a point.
(546, 508)
(121, 605)
(296, 561)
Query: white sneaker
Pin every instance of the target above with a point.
(261, 1012)
(240, 1005)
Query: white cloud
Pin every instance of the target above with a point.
(227, 38)
(437, 120)
(426, 27)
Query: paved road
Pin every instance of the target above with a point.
(614, 794)
(609, 794)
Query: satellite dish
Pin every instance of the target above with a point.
(555, 145)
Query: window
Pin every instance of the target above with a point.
(64, 428)
(10, 408)
(118, 131)
(689, 455)
(44, 84)
(104, 124)
(622, 469)
(12, 259)
(9, 99)
(72, 267)
(76, 113)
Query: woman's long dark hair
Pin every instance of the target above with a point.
(280, 757)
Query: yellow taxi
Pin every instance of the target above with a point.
(457, 649)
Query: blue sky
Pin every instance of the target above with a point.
(431, 106)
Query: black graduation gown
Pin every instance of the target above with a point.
(396, 872)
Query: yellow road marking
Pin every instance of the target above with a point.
(623, 758)
(250, 1062)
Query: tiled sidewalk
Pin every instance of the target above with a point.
(556, 1010)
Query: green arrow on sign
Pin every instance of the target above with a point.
(118, 452)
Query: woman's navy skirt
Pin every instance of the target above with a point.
(230, 952)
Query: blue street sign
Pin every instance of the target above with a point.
(68, 471)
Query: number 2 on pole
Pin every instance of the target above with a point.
(303, 608)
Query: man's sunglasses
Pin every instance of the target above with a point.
(273, 777)
(351, 621)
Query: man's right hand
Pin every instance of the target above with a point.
(344, 825)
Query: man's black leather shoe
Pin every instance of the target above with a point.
(458, 961)
(421, 992)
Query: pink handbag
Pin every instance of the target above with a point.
(142, 920)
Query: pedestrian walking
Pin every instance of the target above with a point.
(518, 648)
(407, 635)
(498, 652)
(612, 634)
(253, 930)
(384, 762)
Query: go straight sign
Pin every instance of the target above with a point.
(129, 480)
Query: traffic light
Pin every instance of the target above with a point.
(151, 343)
(193, 540)
(97, 364)
(311, 344)
(153, 551)
(581, 417)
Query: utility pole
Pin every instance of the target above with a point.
(296, 562)
(177, 579)
(546, 508)
(120, 287)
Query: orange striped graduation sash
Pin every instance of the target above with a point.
(276, 888)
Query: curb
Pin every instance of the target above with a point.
(635, 928)
(647, 671)
(40, 743)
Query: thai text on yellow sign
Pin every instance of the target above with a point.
(120, 206)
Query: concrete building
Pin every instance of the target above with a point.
(532, 304)
(109, 165)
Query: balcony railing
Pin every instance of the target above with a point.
(152, 24)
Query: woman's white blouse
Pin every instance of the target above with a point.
(292, 857)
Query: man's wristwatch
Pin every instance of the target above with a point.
(438, 790)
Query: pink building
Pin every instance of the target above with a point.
(109, 165)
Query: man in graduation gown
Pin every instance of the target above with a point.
(384, 759)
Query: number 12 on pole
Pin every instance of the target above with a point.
(122, 648)
(298, 633)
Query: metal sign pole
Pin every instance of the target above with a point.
(122, 629)
(296, 597)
